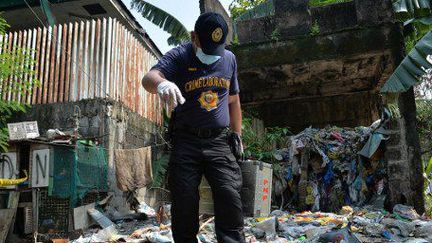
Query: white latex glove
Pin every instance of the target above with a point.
(170, 94)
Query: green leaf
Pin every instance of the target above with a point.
(164, 20)
(412, 68)
(429, 168)
(412, 9)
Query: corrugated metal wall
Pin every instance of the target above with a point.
(84, 60)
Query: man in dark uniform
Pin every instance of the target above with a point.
(199, 80)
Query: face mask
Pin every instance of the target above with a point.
(206, 59)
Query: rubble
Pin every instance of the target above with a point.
(353, 225)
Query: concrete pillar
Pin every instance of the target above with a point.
(370, 12)
(404, 165)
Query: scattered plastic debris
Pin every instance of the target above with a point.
(353, 225)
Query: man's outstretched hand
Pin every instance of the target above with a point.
(170, 94)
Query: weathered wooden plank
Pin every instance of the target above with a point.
(109, 57)
(31, 44)
(80, 63)
(92, 66)
(115, 60)
(69, 65)
(22, 44)
(47, 66)
(73, 92)
(84, 90)
(134, 70)
(12, 79)
(104, 32)
(7, 215)
(39, 50)
(145, 93)
(122, 70)
(8, 45)
(42, 66)
(63, 54)
(97, 47)
(58, 42)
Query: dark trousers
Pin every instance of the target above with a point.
(191, 158)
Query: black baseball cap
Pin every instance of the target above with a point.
(212, 31)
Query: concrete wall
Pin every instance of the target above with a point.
(317, 66)
(109, 122)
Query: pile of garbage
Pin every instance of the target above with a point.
(350, 225)
(325, 169)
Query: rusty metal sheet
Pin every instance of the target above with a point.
(86, 59)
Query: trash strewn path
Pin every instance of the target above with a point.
(350, 225)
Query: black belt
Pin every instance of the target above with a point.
(202, 132)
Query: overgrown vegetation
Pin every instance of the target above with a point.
(275, 35)
(15, 72)
(240, 7)
(315, 29)
(424, 126)
(320, 3)
(260, 145)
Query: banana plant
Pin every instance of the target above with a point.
(413, 10)
(415, 67)
(164, 20)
